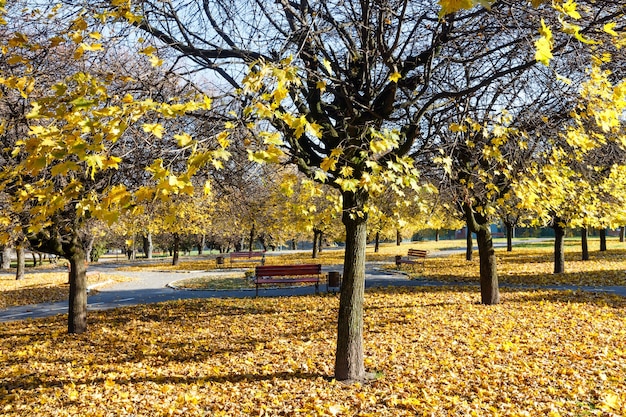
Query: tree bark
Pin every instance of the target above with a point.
(252, 234)
(602, 240)
(89, 247)
(316, 235)
(584, 240)
(201, 244)
(398, 237)
(469, 245)
(510, 234)
(6, 257)
(21, 262)
(77, 319)
(132, 251)
(349, 364)
(377, 242)
(437, 235)
(147, 245)
(176, 250)
(320, 242)
(67, 243)
(559, 246)
(489, 288)
(622, 234)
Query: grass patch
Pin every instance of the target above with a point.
(436, 351)
(212, 282)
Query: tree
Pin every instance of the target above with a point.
(73, 142)
(182, 215)
(350, 92)
(575, 181)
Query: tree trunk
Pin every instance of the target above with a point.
(602, 240)
(69, 246)
(131, 251)
(176, 250)
(147, 245)
(77, 319)
(294, 244)
(252, 234)
(489, 288)
(559, 246)
(510, 234)
(34, 256)
(21, 262)
(320, 242)
(584, 240)
(622, 234)
(349, 362)
(202, 244)
(437, 235)
(398, 237)
(469, 245)
(316, 236)
(377, 242)
(89, 246)
(6, 257)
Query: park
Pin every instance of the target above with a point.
(437, 351)
(312, 208)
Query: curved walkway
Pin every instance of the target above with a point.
(152, 287)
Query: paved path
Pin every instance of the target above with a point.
(152, 287)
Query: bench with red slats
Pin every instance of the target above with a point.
(287, 274)
(414, 256)
(254, 256)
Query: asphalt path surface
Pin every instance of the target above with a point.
(154, 286)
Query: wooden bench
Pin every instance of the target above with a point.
(287, 274)
(414, 256)
(258, 256)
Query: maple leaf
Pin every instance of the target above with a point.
(543, 45)
(394, 77)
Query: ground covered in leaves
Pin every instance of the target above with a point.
(43, 286)
(532, 266)
(329, 256)
(437, 353)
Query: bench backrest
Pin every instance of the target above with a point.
(246, 254)
(286, 270)
(417, 253)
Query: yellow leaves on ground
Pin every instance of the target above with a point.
(436, 351)
(43, 286)
(534, 267)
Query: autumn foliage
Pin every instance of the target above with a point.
(436, 350)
